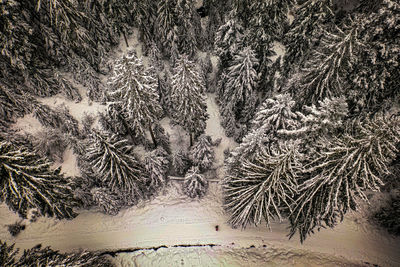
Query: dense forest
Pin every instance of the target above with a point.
(318, 126)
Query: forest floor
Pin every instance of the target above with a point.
(169, 229)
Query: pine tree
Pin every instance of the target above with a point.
(325, 73)
(187, 98)
(194, 184)
(38, 256)
(202, 153)
(180, 162)
(376, 75)
(228, 40)
(114, 163)
(341, 171)
(134, 88)
(28, 182)
(165, 26)
(263, 188)
(106, 200)
(241, 84)
(157, 164)
(50, 144)
(187, 19)
(305, 31)
(162, 138)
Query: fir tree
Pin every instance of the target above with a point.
(202, 153)
(50, 144)
(134, 88)
(38, 256)
(242, 81)
(28, 182)
(305, 31)
(186, 16)
(157, 164)
(165, 26)
(228, 40)
(325, 73)
(262, 188)
(194, 184)
(114, 163)
(342, 170)
(180, 162)
(188, 99)
(106, 200)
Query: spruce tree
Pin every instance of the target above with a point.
(195, 184)
(27, 182)
(187, 19)
(262, 188)
(341, 171)
(156, 164)
(188, 98)
(305, 31)
(134, 88)
(202, 153)
(241, 83)
(111, 160)
(165, 26)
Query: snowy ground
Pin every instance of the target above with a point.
(171, 219)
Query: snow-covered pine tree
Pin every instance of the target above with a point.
(114, 163)
(106, 200)
(164, 88)
(275, 120)
(241, 84)
(27, 181)
(326, 71)
(50, 144)
(202, 153)
(38, 256)
(134, 88)
(187, 20)
(195, 185)
(119, 14)
(180, 162)
(263, 188)
(305, 30)
(325, 120)
(165, 26)
(376, 73)
(341, 171)
(188, 98)
(228, 40)
(156, 164)
(162, 138)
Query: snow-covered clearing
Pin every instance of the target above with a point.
(172, 219)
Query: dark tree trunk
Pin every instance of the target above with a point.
(152, 136)
(128, 129)
(126, 40)
(191, 139)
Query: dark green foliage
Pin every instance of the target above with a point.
(389, 215)
(38, 256)
(28, 182)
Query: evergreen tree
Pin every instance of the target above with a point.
(134, 89)
(50, 144)
(113, 162)
(165, 26)
(162, 138)
(228, 40)
(202, 153)
(180, 162)
(38, 256)
(305, 31)
(106, 200)
(195, 184)
(157, 164)
(325, 73)
(187, 98)
(262, 188)
(187, 19)
(342, 170)
(28, 182)
(241, 83)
